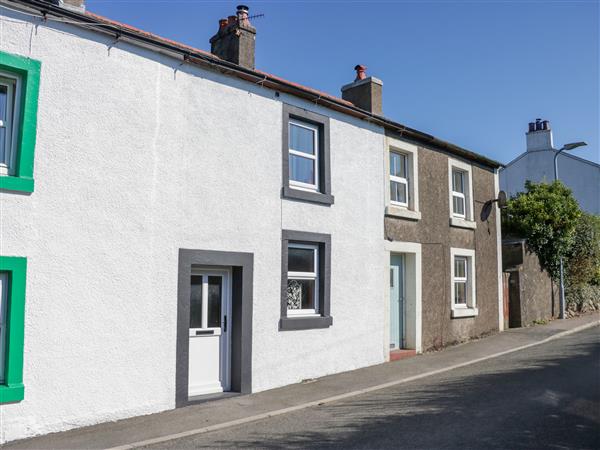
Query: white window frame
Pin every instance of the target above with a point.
(458, 194)
(13, 83)
(315, 158)
(468, 219)
(400, 180)
(409, 210)
(306, 276)
(470, 308)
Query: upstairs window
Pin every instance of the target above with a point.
(19, 88)
(9, 122)
(306, 171)
(460, 187)
(304, 155)
(458, 194)
(399, 194)
(401, 161)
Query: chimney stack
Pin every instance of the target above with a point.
(539, 136)
(236, 39)
(364, 92)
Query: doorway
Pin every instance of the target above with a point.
(209, 365)
(397, 302)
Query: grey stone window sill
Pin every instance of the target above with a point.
(306, 196)
(465, 312)
(403, 213)
(462, 223)
(305, 323)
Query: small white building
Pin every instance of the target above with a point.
(537, 164)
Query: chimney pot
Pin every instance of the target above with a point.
(531, 126)
(222, 23)
(231, 19)
(360, 72)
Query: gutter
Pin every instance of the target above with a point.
(197, 57)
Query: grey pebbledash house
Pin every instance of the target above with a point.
(178, 225)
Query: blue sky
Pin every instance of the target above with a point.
(471, 72)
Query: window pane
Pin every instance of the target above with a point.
(302, 139)
(302, 169)
(3, 102)
(196, 302)
(460, 267)
(301, 259)
(459, 205)
(458, 184)
(3, 146)
(398, 164)
(301, 294)
(398, 192)
(460, 293)
(215, 288)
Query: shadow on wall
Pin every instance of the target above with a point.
(557, 407)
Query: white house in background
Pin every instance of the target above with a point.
(197, 227)
(537, 164)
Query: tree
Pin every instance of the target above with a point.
(547, 216)
(584, 256)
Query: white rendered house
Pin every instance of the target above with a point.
(176, 224)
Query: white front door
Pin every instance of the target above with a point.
(210, 331)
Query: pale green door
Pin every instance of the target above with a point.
(397, 301)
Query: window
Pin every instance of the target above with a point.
(460, 281)
(304, 155)
(458, 194)
(9, 114)
(19, 87)
(306, 171)
(399, 179)
(460, 187)
(402, 195)
(12, 310)
(463, 283)
(305, 280)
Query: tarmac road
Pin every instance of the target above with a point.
(546, 396)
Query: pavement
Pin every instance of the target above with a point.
(289, 416)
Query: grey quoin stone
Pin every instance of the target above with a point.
(236, 39)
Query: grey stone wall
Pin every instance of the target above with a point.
(436, 235)
(532, 295)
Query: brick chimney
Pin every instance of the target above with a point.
(236, 39)
(539, 136)
(364, 92)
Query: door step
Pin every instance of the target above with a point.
(395, 355)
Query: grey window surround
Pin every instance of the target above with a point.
(242, 265)
(324, 195)
(324, 242)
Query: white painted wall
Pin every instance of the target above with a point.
(583, 177)
(136, 157)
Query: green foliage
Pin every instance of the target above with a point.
(583, 264)
(547, 216)
(582, 298)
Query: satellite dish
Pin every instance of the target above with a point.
(486, 210)
(487, 206)
(502, 201)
